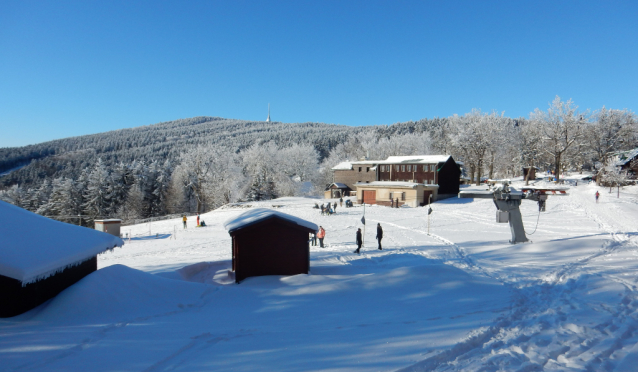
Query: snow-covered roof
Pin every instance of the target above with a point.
(340, 185)
(346, 165)
(259, 214)
(625, 157)
(392, 184)
(418, 159)
(35, 247)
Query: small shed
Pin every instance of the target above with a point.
(268, 242)
(111, 226)
(337, 190)
(531, 171)
(40, 257)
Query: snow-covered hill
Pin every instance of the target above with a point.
(460, 298)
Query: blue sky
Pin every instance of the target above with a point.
(78, 67)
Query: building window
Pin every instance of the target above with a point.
(359, 169)
(425, 168)
(403, 196)
(409, 168)
(391, 197)
(367, 169)
(403, 168)
(396, 167)
(382, 168)
(432, 167)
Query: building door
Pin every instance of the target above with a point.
(369, 197)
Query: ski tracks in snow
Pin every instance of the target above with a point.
(544, 330)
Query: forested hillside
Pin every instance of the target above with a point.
(163, 141)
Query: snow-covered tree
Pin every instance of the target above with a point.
(561, 127)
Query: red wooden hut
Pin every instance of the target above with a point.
(40, 257)
(268, 242)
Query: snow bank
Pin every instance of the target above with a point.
(118, 293)
(259, 214)
(35, 247)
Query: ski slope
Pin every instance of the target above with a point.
(458, 299)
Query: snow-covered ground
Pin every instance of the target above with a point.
(460, 298)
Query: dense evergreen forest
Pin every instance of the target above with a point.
(194, 165)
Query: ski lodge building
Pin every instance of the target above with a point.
(413, 180)
(268, 242)
(40, 257)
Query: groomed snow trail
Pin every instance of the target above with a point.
(550, 326)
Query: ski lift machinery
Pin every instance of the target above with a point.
(507, 200)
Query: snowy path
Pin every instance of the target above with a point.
(458, 299)
(551, 326)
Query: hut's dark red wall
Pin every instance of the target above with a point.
(270, 247)
(16, 299)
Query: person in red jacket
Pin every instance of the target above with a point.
(321, 234)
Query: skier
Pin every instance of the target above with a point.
(198, 219)
(597, 196)
(321, 235)
(359, 241)
(184, 220)
(341, 202)
(335, 206)
(379, 235)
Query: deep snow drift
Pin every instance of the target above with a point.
(461, 298)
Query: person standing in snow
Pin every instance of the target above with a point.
(379, 235)
(313, 239)
(341, 201)
(335, 206)
(198, 219)
(322, 209)
(597, 196)
(397, 203)
(184, 220)
(321, 235)
(359, 241)
(391, 203)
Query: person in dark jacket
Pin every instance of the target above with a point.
(341, 202)
(396, 205)
(359, 241)
(379, 235)
(335, 206)
(322, 209)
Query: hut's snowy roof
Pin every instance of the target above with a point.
(35, 247)
(625, 157)
(419, 159)
(393, 184)
(259, 214)
(340, 185)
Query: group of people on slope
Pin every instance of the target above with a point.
(328, 209)
(321, 234)
(199, 224)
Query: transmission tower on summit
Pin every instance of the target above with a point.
(268, 120)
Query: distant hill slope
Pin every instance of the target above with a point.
(163, 141)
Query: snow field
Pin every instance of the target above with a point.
(461, 298)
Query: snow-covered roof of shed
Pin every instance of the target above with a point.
(259, 214)
(392, 184)
(346, 165)
(339, 185)
(35, 247)
(625, 157)
(419, 159)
